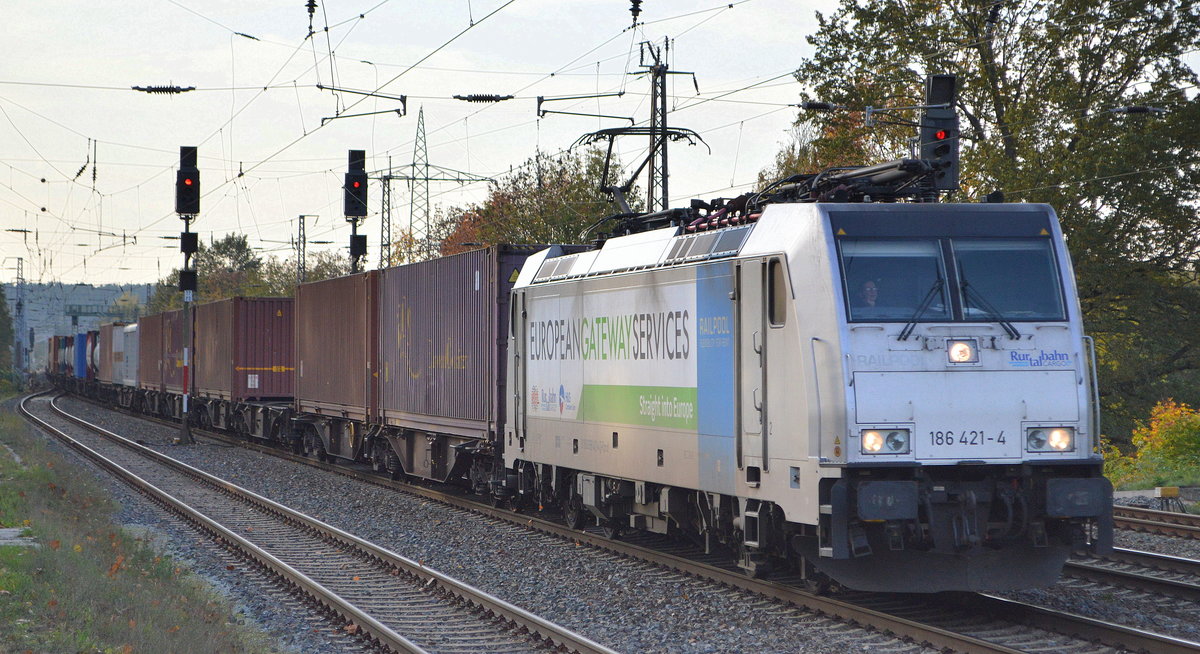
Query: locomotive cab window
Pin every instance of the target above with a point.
(777, 293)
(894, 280)
(1013, 278)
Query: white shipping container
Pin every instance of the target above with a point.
(127, 369)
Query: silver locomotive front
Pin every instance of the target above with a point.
(969, 452)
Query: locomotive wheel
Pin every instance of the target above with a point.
(611, 529)
(511, 503)
(818, 585)
(573, 512)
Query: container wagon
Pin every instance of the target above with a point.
(244, 365)
(336, 358)
(405, 368)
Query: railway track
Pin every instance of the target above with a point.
(392, 602)
(960, 622)
(1159, 574)
(1186, 525)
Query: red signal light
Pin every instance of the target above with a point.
(187, 181)
(355, 184)
(940, 135)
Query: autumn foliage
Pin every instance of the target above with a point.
(1167, 449)
(1173, 434)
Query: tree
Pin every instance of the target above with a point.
(226, 268)
(279, 275)
(548, 199)
(6, 341)
(1038, 85)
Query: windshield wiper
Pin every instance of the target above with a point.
(921, 309)
(992, 312)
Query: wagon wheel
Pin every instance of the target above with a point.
(314, 447)
(394, 468)
(238, 424)
(379, 458)
(512, 503)
(573, 511)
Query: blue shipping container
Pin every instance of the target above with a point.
(81, 352)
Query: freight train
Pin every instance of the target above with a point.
(820, 377)
(897, 397)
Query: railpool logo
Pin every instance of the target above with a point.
(561, 392)
(1040, 359)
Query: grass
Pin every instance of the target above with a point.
(1145, 473)
(90, 586)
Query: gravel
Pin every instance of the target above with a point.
(256, 602)
(1170, 616)
(627, 605)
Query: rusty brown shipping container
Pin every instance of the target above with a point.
(112, 351)
(160, 348)
(244, 349)
(52, 356)
(443, 329)
(150, 352)
(337, 346)
(172, 350)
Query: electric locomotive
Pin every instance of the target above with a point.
(896, 396)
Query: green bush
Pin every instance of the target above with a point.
(1167, 450)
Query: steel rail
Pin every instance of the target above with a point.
(1164, 562)
(1068, 624)
(542, 628)
(1078, 626)
(293, 577)
(1090, 570)
(932, 636)
(1169, 523)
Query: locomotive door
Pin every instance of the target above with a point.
(516, 327)
(751, 363)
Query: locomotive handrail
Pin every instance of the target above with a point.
(812, 350)
(1095, 385)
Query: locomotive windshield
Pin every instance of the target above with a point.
(988, 279)
(1017, 278)
(894, 280)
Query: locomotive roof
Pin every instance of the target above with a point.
(672, 246)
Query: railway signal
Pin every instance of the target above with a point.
(187, 183)
(939, 131)
(187, 205)
(355, 205)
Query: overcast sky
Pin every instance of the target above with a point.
(87, 165)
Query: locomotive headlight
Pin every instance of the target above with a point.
(963, 350)
(885, 441)
(872, 441)
(1050, 439)
(1061, 439)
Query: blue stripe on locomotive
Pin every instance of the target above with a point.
(715, 392)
